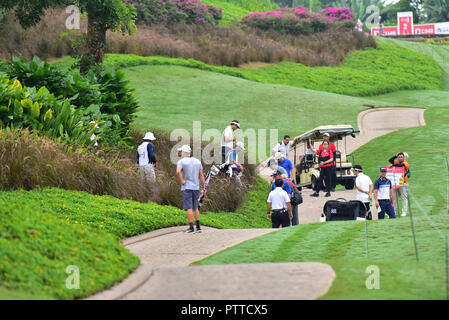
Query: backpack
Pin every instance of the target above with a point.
(296, 194)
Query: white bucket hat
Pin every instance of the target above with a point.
(278, 155)
(326, 134)
(240, 144)
(185, 148)
(149, 136)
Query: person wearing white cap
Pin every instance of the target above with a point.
(146, 158)
(284, 163)
(227, 138)
(190, 171)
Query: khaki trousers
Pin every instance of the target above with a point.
(401, 192)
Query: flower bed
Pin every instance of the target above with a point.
(298, 20)
(176, 11)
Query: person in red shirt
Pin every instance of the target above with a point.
(326, 162)
(326, 137)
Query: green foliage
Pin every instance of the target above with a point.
(37, 108)
(36, 247)
(370, 72)
(437, 10)
(102, 95)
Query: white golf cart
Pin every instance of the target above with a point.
(305, 161)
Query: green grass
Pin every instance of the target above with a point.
(44, 231)
(389, 68)
(440, 53)
(341, 244)
(172, 97)
(236, 9)
(415, 98)
(427, 148)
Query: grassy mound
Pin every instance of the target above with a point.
(36, 247)
(236, 9)
(342, 245)
(44, 231)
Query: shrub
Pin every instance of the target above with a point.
(102, 96)
(298, 20)
(176, 11)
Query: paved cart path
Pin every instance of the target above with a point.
(166, 254)
(372, 123)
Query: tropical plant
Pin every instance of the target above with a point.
(437, 10)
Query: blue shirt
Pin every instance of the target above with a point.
(285, 187)
(287, 165)
(383, 187)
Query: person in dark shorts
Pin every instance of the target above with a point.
(279, 210)
(383, 195)
(190, 171)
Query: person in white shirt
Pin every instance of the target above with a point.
(279, 209)
(364, 189)
(283, 146)
(146, 158)
(227, 138)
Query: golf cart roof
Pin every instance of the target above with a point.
(336, 132)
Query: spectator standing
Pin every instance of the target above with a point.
(190, 171)
(399, 161)
(146, 158)
(286, 186)
(295, 218)
(325, 160)
(279, 210)
(359, 26)
(383, 195)
(283, 147)
(284, 163)
(228, 138)
(364, 189)
(326, 137)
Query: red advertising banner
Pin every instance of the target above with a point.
(424, 29)
(387, 31)
(396, 176)
(405, 23)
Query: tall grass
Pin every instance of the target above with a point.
(28, 161)
(228, 46)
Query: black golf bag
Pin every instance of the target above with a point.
(341, 209)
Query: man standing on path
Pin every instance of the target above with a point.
(227, 138)
(399, 161)
(364, 189)
(279, 210)
(146, 158)
(383, 195)
(333, 173)
(189, 171)
(284, 163)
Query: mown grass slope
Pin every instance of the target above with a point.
(235, 10)
(342, 245)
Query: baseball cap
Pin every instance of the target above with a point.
(276, 173)
(326, 134)
(383, 169)
(240, 144)
(278, 155)
(185, 148)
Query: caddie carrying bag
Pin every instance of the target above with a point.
(341, 209)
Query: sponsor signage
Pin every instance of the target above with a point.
(424, 29)
(442, 28)
(387, 31)
(405, 23)
(396, 176)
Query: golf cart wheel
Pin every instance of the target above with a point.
(313, 183)
(349, 184)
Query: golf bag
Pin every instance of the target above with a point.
(341, 209)
(225, 168)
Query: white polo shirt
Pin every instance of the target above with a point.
(363, 181)
(228, 133)
(278, 199)
(282, 148)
